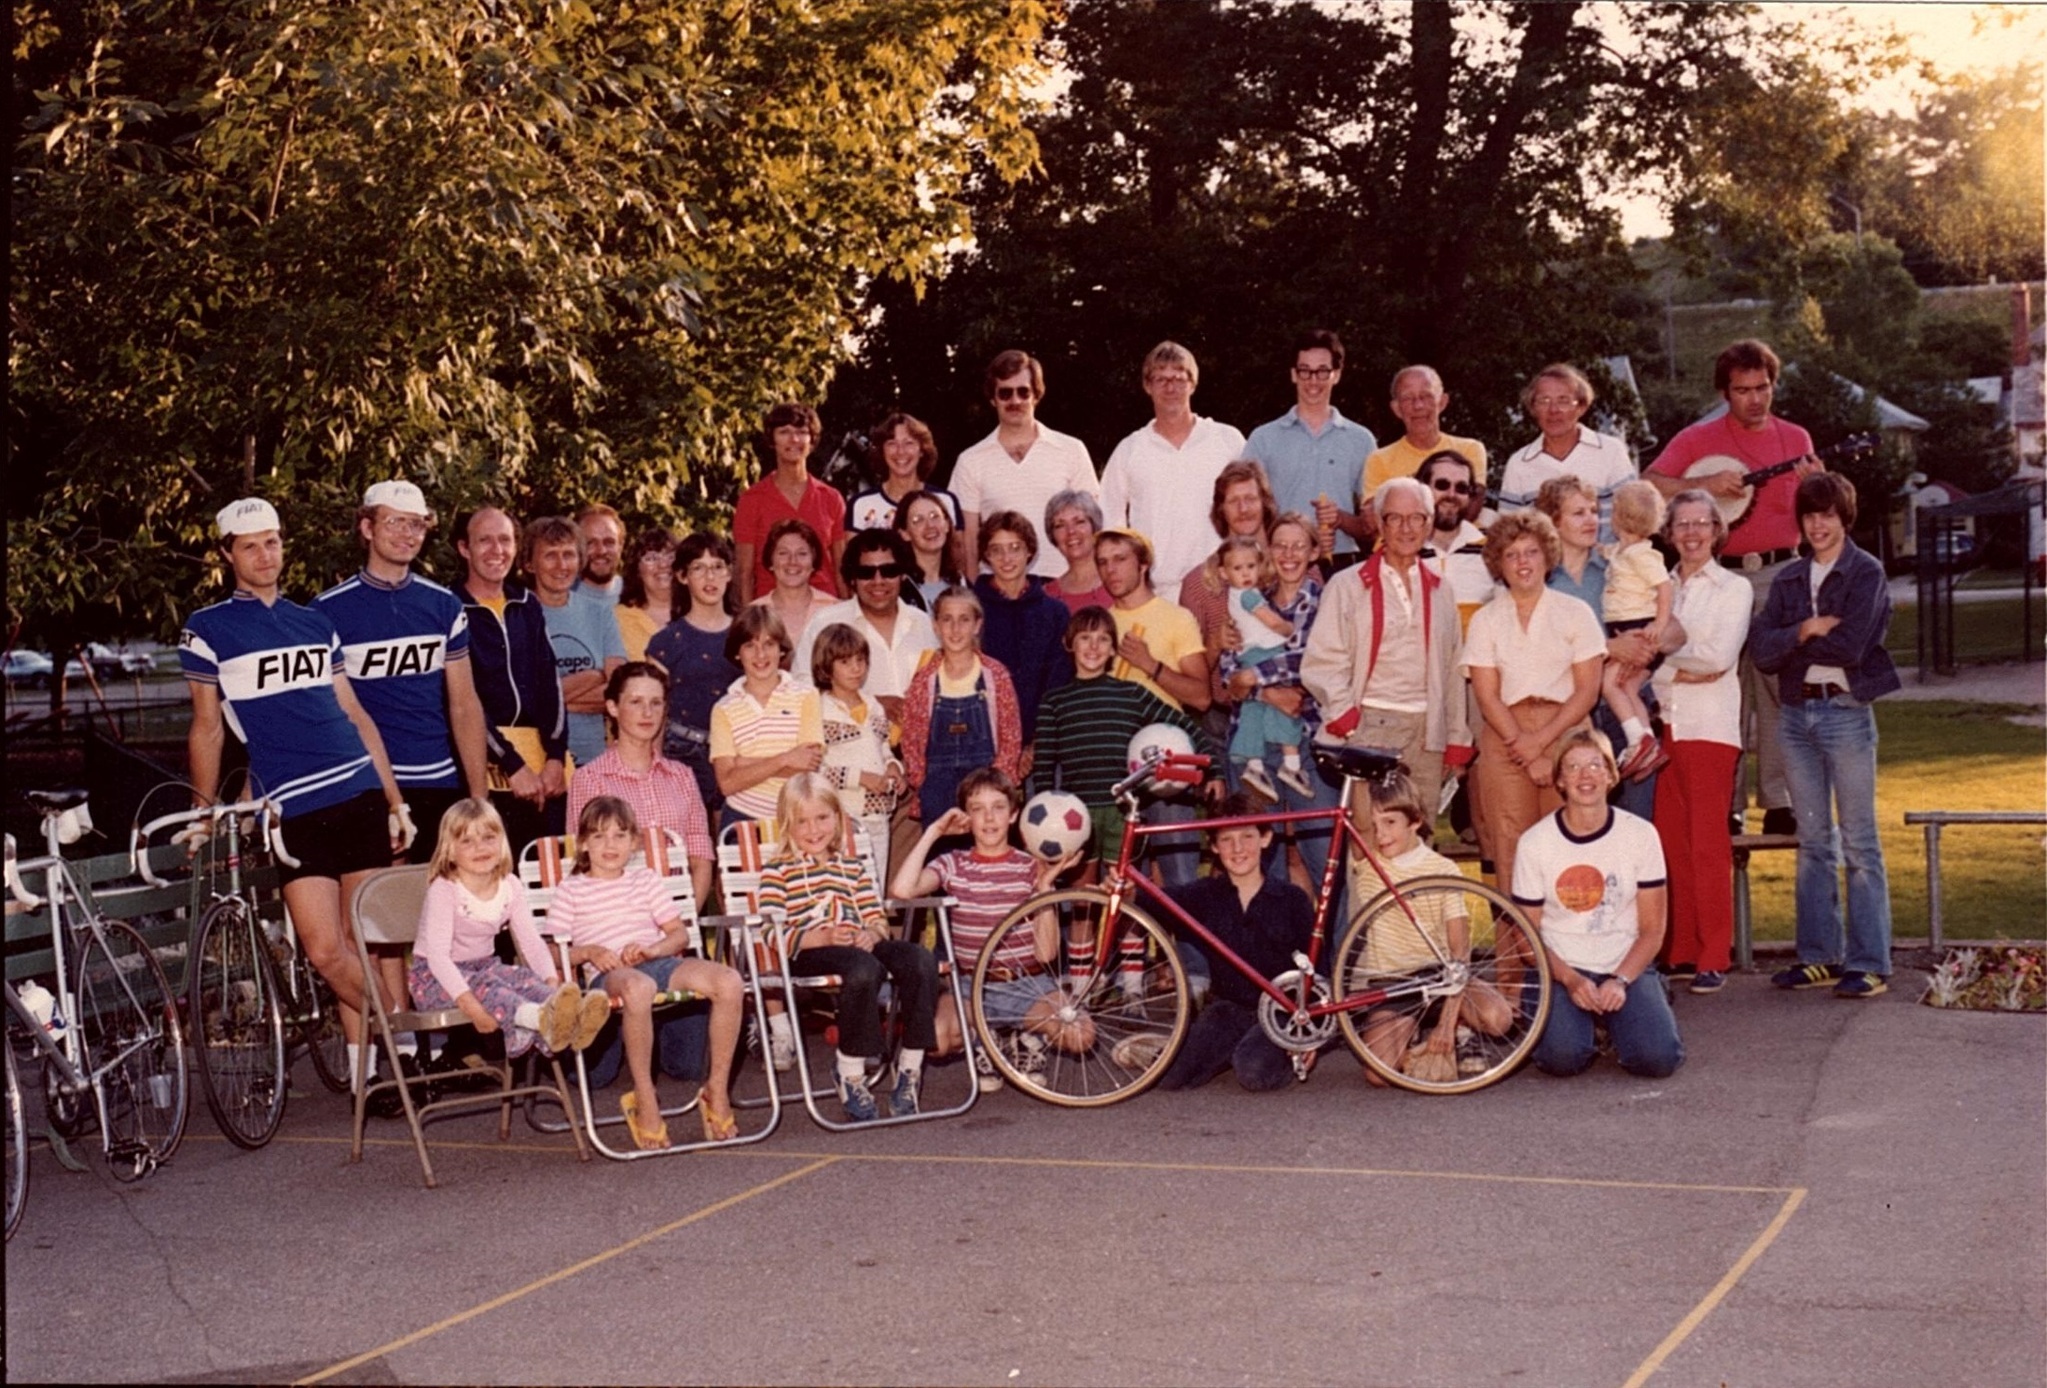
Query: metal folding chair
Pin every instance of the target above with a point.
(761, 952)
(386, 912)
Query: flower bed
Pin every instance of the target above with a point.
(2007, 979)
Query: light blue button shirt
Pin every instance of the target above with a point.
(1302, 465)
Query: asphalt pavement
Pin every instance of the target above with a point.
(1828, 1193)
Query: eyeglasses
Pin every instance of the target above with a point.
(707, 568)
(404, 525)
(1444, 484)
(1013, 393)
(1008, 549)
(1168, 378)
(1699, 523)
(1555, 402)
(1404, 518)
(1313, 373)
(660, 559)
(877, 571)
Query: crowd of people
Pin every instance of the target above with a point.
(1571, 668)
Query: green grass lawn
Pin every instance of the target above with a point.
(1945, 756)
(1983, 631)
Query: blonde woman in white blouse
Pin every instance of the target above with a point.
(1533, 655)
(1701, 699)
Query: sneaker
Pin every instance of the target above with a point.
(857, 1098)
(1708, 981)
(1139, 1052)
(387, 1104)
(902, 1100)
(781, 1052)
(1857, 984)
(1652, 760)
(558, 1018)
(1295, 779)
(1780, 821)
(1471, 1057)
(1259, 779)
(1637, 756)
(1680, 973)
(1807, 976)
(1736, 825)
(985, 1074)
(1031, 1058)
(591, 1016)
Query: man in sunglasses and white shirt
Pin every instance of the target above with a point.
(875, 564)
(1023, 464)
(1455, 548)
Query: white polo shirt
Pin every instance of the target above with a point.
(1167, 491)
(890, 662)
(986, 480)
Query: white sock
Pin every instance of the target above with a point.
(408, 1043)
(910, 1060)
(851, 1067)
(527, 1015)
(779, 1027)
(1633, 731)
(1290, 760)
(354, 1051)
(1258, 762)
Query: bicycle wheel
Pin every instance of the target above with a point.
(1474, 1010)
(1074, 1036)
(17, 1145)
(319, 1016)
(134, 1048)
(237, 1023)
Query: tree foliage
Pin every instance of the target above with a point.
(539, 251)
(1434, 181)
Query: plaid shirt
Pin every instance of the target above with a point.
(665, 797)
(1285, 668)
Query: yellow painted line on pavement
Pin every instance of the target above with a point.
(574, 1269)
(1225, 1169)
(1719, 1293)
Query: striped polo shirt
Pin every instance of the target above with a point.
(742, 726)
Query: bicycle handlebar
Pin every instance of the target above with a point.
(1179, 768)
(138, 847)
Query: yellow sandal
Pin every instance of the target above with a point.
(718, 1127)
(648, 1139)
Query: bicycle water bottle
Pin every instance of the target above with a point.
(43, 1007)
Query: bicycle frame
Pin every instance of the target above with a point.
(1124, 877)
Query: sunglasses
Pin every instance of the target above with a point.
(877, 571)
(1444, 484)
(1013, 393)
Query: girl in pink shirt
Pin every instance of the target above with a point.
(622, 923)
(475, 894)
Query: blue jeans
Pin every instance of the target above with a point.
(1311, 839)
(1643, 1032)
(1830, 765)
(1177, 856)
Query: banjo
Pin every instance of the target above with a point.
(1733, 508)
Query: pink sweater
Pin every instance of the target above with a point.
(457, 928)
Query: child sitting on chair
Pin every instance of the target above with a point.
(989, 880)
(1397, 819)
(475, 894)
(622, 923)
(836, 925)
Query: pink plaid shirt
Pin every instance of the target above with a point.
(664, 797)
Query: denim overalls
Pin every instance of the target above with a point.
(960, 740)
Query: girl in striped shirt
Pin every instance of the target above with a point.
(622, 923)
(836, 926)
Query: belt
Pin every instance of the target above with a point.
(1760, 559)
(1818, 693)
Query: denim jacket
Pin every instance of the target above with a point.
(1856, 592)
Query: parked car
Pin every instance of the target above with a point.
(108, 663)
(31, 669)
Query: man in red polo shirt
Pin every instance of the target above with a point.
(1763, 540)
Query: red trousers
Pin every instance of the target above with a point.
(1691, 818)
